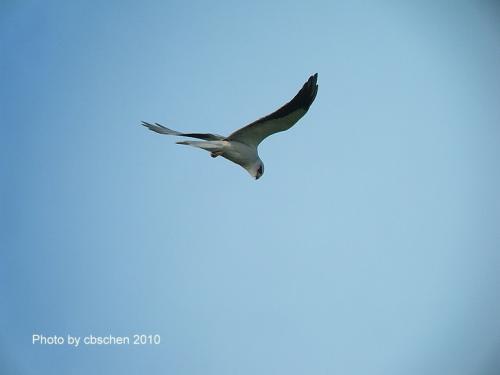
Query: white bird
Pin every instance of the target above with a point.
(241, 146)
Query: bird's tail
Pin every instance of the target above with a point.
(212, 146)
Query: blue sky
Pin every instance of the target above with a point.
(370, 245)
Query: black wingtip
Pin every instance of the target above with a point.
(308, 93)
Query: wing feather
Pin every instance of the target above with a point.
(280, 120)
(164, 130)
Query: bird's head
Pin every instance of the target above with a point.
(257, 169)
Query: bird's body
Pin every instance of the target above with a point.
(237, 152)
(241, 146)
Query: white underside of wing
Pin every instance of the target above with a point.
(257, 132)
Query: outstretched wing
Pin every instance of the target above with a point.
(164, 130)
(280, 120)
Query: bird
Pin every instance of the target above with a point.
(241, 146)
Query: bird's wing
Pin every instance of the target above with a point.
(280, 120)
(164, 130)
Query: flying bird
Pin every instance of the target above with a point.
(240, 147)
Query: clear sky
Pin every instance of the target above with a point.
(370, 245)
